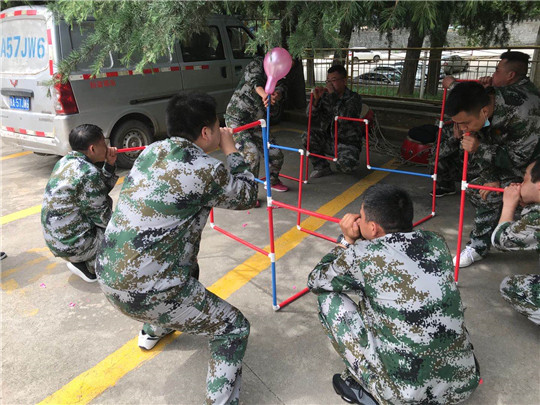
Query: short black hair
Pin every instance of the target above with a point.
(517, 62)
(388, 206)
(535, 171)
(338, 69)
(470, 97)
(81, 137)
(188, 113)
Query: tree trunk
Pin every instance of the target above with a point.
(406, 84)
(535, 68)
(437, 39)
(345, 32)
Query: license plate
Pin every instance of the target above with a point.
(19, 103)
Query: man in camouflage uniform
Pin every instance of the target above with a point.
(521, 291)
(498, 153)
(76, 205)
(248, 103)
(328, 102)
(405, 341)
(148, 267)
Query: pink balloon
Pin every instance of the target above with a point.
(277, 64)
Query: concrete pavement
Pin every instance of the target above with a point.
(64, 343)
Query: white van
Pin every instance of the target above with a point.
(129, 107)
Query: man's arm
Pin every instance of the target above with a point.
(95, 203)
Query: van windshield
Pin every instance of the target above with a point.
(24, 45)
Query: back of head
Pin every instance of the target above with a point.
(188, 113)
(81, 137)
(338, 69)
(535, 171)
(388, 206)
(517, 62)
(469, 97)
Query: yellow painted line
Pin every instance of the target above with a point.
(9, 272)
(14, 155)
(36, 209)
(91, 383)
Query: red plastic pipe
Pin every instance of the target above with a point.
(478, 187)
(461, 212)
(247, 126)
(293, 298)
(335, 138)
(242, 241)
(130, 149)
(308, 133)
(300, 176)
(319, 235)
(303, 211)
(351, 119)
(321, 156)
(421, 221)
(288, 177)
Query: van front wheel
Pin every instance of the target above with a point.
(130, 134)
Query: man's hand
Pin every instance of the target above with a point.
(317, 94)
(512, 195)
(511, 199)
(262, 94)
(110, 157)
(458, 133)
(485, 81)
(448, 81)
(349, 227)
(470, 143)
(276, 96)
(484, 193)
(226, 142)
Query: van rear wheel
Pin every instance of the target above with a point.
(130, 134)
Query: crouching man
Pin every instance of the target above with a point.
(405, 341)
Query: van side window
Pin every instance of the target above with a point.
(238, 37)
(203, 46)
(78, 33)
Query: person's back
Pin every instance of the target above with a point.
(76, 205)
(405, 341)
(171, 189)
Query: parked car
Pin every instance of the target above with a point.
(361, 53)
(398, 69)
(419, 69)
(454, 64)
(386, 79)
(129, 107)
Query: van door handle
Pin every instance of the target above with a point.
(224, 72)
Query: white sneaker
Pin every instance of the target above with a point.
(146, 341)
(467, 257)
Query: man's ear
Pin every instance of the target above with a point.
(205, 133)
(511, 75)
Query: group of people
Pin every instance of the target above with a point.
(404, 341)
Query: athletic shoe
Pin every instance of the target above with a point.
(279, 187)
(441, 191)
(467, 257)
(315, 174)
(148, 342)
(3, 255)
(350, 391)
(80, 269)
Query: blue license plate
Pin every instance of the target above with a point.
(19, 103)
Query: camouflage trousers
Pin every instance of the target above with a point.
(321, 143)
(250, 144)
(89, 256)
(192, 309)
(487, 212)
(358, 347)
(523, 293)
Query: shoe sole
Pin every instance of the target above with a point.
(80, 274)
(346, 399)
(279, 191)
(443, 194)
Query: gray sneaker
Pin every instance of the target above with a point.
(350, 391)
(315, 174)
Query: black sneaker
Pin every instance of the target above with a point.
(3, 255)
(350, 391)
(441, 191)
(80, 269)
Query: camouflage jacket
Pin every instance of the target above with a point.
(515, 131)
(152, 241)
(416, 343)
(246, 105)
(76, 201)
(523, 234)
(348, 105)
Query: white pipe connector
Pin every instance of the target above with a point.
(434, 176)
(305, 181)
(307, 153)
(369, 167)
(464, 185)
(441, 124)
(268, 145)
(432, 213)
(272, 257)
(298, 227)
(301, 151)
(334, 160)
(336, 118)
(366, 122)
(212, 225)
(269, 201)
(275, 307)
(263, 123)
